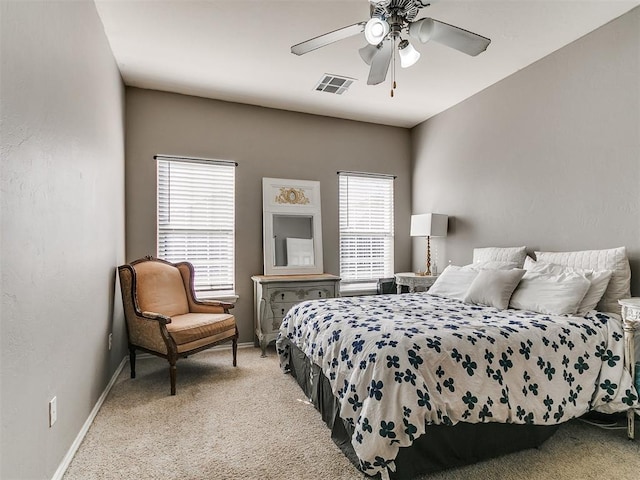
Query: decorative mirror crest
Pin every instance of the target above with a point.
(294, 196)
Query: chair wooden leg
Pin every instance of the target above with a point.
(235, 350)
(172, 375)
(132, 361)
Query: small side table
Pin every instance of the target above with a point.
(413, 280)
(274, 295)
(630, 322)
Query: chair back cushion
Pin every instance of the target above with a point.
(160, 289)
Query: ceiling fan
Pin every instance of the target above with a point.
(390, 20)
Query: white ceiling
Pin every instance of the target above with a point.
(239, 51)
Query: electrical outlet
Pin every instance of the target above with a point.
(110, 340)
(53, 411)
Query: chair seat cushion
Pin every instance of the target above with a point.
(190, 327)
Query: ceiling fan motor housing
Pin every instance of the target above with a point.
(406, 10)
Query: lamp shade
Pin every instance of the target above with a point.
(367, 53)
(429, 225)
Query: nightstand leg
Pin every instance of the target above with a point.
(630, 320)
(629, 360)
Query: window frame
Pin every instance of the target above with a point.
(366, 284)
(214, 235)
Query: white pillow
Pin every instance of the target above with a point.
(614, 259)
(599, 282)
(453, 282)
(599, 279)
(530, 263)
(491, 265)
(493, 288)
(502, 254)
(552, 294)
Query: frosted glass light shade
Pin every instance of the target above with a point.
(422, 29)
(375, 30)
(408, 54)
(367, 53)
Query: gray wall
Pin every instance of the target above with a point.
(548, 158)
(62, 226)
(265, 143)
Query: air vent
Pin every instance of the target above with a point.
(334, 84)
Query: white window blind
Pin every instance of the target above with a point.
(196, 219)
(366, 227)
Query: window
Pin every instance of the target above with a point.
(196, 220)
(366, 230)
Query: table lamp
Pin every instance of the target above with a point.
(429, 225)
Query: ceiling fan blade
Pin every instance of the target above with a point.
(380, 63)
(323, 40)
(455, 37)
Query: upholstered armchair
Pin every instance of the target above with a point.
(164, 317)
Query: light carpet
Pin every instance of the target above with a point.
(252, 422)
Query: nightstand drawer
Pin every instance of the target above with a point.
(299, 293)
(281, 309)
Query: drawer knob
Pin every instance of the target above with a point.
(320, 293)
(283, 311)
(282, 295)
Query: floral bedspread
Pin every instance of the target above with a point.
(399, 362)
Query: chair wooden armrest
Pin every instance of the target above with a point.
(215, 303)
(156, 316)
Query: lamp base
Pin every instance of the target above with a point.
(427, 272)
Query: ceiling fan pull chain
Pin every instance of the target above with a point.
(393, 68)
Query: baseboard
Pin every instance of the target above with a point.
(85, 428)
(227, 346)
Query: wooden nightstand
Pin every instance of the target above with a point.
(630, 322)
(413, 280)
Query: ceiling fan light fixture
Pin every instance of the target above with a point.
(367, 52)
(422, 29)
(408, 54)
(375, 30)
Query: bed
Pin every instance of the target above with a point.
(420, 382)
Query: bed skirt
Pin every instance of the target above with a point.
(441, 447)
